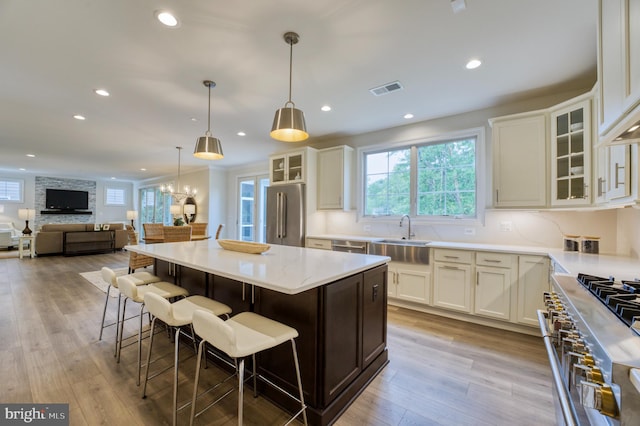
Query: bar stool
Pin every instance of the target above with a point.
(136, 294)
(109, 276)
(176, 315)
(240, 336)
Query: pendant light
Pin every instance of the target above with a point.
(288, 123)
(208, 147)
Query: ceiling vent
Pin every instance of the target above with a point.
(386, 88)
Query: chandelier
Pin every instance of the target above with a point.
(175, 192)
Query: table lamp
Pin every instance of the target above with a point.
(132, 215)
(26, 215)
(189, 210)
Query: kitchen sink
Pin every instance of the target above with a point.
(402, 250)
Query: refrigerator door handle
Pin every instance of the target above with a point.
(283, 215)
(278, 208)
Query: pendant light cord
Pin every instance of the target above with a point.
(209, 116)
(290, 69)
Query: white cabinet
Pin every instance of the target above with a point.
(619, 171)
(571, 153)
(533, 281)
(618, 61)
(494, 275)
(452, 279)
(408, 281)
(319, 243)
(295, 166)
(334, 178)
(519, 160)
(610, 62)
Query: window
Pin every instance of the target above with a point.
(252, 209)
(11, 190)
(114, 196)
(426, 180)
(154, 206)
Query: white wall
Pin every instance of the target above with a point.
(629, 232)
(102, 213)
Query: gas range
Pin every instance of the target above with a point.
(622, 298)
(593, 345)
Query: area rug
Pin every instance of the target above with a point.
(95, 278)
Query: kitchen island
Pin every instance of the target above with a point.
(336, 301)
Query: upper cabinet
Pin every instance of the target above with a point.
(519, 160)
(292, 167)
(618, 66)
(571, 154)
(335, 178)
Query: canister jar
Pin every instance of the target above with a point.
(571, 242)
(591, 245)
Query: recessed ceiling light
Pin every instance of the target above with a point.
(194, 119)
(22, 169)
(326, 108)
(143, 169)
(473, 64)
(30, 155)
(167, 18)
(101, 92)
(79, 117)
(241, 134)
(408, 116)
(633, 128)
(113, 178)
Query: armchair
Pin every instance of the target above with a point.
(14, 238)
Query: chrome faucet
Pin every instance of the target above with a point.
(409, 233)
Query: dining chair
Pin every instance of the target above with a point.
(174, 234)
(153, 232)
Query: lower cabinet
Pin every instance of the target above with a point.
(501, 286)
(409, 281)
(494, 279)
(452, 279)
(533, 281)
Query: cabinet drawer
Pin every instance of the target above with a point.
(499, 260)
(456, 256)
(319, 243)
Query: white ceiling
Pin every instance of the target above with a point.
(53, 55)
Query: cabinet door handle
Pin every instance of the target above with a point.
(492, 260)
(374, 292)
(497, 196)
(451, 257)
(618, 182)
(450, 267)
(477, 277)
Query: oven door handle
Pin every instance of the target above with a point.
(568, 411)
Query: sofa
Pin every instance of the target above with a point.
(50, 238)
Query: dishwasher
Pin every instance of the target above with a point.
(349, 246)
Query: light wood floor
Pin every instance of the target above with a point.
(441, 371)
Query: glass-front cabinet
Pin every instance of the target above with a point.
(292, 167)
(571, 154)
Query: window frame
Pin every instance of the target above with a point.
(480, 149)
(20, 183)
(108, 188)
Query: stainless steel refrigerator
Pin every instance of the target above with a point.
(286, 214)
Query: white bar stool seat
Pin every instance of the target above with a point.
(176, 315)
(131, 291)
(240, 336)
(109, 276)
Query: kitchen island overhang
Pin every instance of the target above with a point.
(336, 301)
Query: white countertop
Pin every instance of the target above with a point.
(285, 269)
(621, 267)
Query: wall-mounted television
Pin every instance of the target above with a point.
(66, 199)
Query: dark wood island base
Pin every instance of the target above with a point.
(342, 326)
